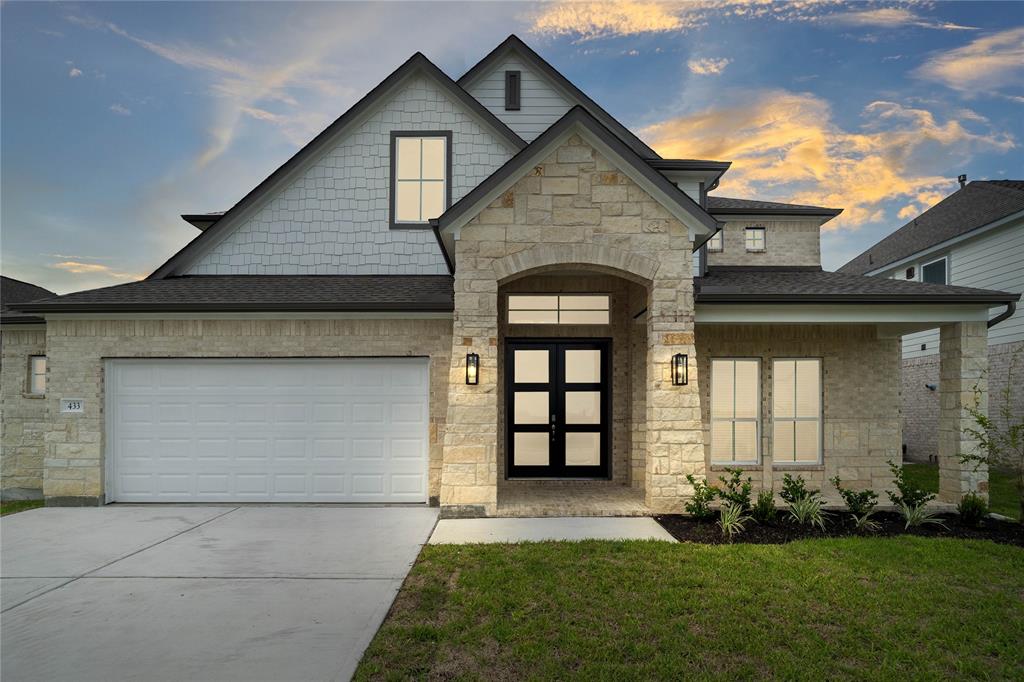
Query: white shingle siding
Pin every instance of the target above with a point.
(333, 219)
(540, 104)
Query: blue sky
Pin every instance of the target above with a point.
(118, 117)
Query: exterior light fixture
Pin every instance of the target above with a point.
(680, 370)
(472, 369)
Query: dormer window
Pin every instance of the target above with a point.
(513, 87)
(755, 239)
(715, 243)
(420, 176)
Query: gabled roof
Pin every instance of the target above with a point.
(417, 63)
(516, 167)
(730, 206)
(13, 291)
(980, 203)
(514, 44)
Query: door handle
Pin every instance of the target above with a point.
(552, 427)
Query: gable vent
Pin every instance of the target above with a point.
(513, 81)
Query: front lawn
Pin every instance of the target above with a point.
(1002, 487)
(849, 608)
(15, 506)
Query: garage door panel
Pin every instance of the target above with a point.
(268, 430)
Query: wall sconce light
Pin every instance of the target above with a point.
(680, 369)
(472, 369)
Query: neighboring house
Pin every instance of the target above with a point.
(23, 410)
(974, 238)
(479, 294)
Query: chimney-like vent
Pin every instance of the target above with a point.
(962, 180)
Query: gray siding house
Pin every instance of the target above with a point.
(488, 295)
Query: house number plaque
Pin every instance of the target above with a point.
(72, 405)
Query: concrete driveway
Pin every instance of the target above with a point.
(200, 593)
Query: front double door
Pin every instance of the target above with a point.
(557, 406)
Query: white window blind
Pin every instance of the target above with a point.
(796, 410)
(735, 411)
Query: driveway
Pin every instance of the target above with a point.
(200, 593)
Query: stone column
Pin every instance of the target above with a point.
(963, 364)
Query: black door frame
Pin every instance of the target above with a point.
(556, 387)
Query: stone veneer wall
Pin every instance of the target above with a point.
(23, 417)
(860, 382)
(787, 242)
(77, 348)
(578, 211)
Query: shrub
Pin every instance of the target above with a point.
(699, 506)
(906, 493)
(764, 510)
(972, 509)
(794, 489)
(807, 511)
(864, 524)
(737, 491)
(858, 502)
(918, 515)
(731, 520)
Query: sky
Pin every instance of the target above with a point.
(117, 118)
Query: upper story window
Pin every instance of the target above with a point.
(513, 88)
(755, 239)
(420, 176)
(558, 309)
(37, 374)
(715, 243)
(934, 272)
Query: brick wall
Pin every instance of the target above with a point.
(77, 348)
(24, 417)
(787, 242)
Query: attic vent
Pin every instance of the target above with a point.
(910, 273)
(513, 80)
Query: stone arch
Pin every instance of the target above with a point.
(631, 266)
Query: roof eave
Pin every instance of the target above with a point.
(326, 306)
(854, 299)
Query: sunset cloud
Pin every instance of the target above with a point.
(786, 146)
(589, 20)
(988, 63)
(708, 66)
(80, 268)
(895, 17)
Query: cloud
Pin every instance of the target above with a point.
(708, 66)
(80, 268)
(787, 146)
(894, 17)
(75, 72)
(985, 64)
(120, 110)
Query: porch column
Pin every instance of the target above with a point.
(674, 432)
(963, 364)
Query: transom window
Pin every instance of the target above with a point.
(420, 169)
(934, 272)
(796, 410)
(755, 239)
(715, 243)
(37, 374)
(558, 309)
(735, 410)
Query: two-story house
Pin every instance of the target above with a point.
(972, 238)
(481, 294)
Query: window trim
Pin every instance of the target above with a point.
(764, 238)
(558, 307)
(945, 269)
(513, 90)
(32, 374)
(393, 195)
(820, 418)
(757, 420)
(720, 236)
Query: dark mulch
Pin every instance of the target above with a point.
(686, 529)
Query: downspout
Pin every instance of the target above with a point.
(444, 251)
(1011, 308)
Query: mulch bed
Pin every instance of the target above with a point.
(686, 529)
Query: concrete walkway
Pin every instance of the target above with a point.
(200, 593)
(467, 531)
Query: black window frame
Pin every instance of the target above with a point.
(513, 90)
(392, 195)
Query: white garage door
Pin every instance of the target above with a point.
(262, 430)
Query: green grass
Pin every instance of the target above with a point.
(1002, 488)
(15, 506)
(851, 608)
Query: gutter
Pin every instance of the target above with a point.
(1011, 308)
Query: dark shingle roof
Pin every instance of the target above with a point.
(227, 293)
(725, 205)
(16, 291)
(978, 204)
(724, 284)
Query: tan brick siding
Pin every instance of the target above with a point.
(787, 242)
(23, 417)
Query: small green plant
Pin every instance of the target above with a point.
(764, 510)
(973, 509)
(699, 506)
(794, 489)
(918, 515)
(859, 502)
(732, 520)
(864, 523)
(807, 511)
(906, 493)
(737, 491)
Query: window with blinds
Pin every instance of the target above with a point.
(735, 410)
(796, 411)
